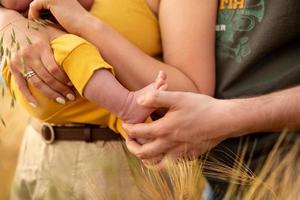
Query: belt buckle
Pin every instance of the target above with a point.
(48, 133)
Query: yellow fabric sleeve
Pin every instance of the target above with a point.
(79, 59)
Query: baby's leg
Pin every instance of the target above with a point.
(104, 90)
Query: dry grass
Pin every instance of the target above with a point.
(183, 180)
(278, 178)
(180, 180)
(10, 138)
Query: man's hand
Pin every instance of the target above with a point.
(32, 51)
(193, 125)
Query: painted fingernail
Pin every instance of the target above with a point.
(70, 84)
(71, 97)
(33, 105)
(60, 100)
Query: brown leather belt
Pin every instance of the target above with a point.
(82, 132)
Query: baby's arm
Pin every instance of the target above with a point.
(106, 91)
(93, 78)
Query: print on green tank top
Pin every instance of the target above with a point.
(236, 17)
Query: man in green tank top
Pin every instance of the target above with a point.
(257, 94)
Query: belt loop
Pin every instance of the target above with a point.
(88, 134)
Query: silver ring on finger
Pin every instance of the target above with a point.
(29, 74)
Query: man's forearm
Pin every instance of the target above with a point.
(273, 112)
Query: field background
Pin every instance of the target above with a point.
(10, 138)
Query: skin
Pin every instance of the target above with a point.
(15, 4)
(38, 56)
(51, 80)
(188, 61)
(189, 68)
(22, 5)
(209, 122)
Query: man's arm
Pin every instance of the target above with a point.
(18, 5)
(273, 112)
(196, 123)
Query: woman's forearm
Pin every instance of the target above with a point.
(8, 16)
(18, 5)
(133, 67)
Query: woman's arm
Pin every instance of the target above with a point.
(188, 48)
(37, 56)
(187, 27)
(18, 5)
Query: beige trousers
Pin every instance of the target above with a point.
(71, 170)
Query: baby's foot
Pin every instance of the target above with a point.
(134, 113)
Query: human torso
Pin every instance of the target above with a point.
(258, 52)
(258, 46)
(134, 19)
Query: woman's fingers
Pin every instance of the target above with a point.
(16, 68)
(35, 53)
(50, 81)
(49, 62)
(39, 57)
(45, 89)
(36, 6)
(20, 81)
(23, 87)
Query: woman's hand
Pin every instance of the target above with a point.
(33, 52)
(70, 14)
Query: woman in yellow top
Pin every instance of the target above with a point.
(82, 63)
(187, 43)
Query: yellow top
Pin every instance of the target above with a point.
(134, 20)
